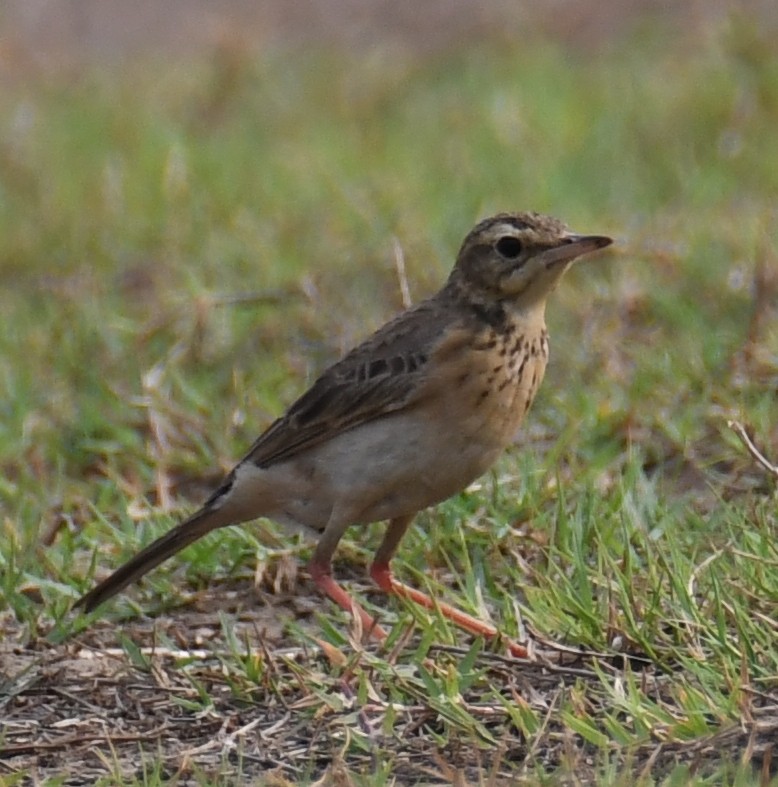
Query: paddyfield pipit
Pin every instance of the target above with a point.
(406, 419)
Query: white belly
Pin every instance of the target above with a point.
(367, 474)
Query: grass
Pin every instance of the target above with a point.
(184, 248)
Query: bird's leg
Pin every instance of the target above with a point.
(381, 573)
(322, 577)
(320, 569)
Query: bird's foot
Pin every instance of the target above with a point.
(322, 577)
(382, 576)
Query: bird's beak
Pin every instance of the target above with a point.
(574, 246)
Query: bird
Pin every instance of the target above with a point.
(408, 418)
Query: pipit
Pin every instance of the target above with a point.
(406, 419)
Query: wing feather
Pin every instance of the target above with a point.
(382, 375)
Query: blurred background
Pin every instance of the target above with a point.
(49, 33)
(236, 190)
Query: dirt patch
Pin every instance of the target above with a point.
(239, 702)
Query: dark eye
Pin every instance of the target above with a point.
(508, 247)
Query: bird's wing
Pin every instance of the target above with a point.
(384, 374)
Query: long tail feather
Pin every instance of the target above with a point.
(205, 520)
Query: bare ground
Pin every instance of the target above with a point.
(172, 704)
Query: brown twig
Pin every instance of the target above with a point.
(757, 455)
(399, 264)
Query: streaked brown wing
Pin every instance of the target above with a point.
(382, 375)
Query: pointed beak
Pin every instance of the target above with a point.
(574, 246)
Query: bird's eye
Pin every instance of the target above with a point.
(508, 247)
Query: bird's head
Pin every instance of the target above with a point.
(517, 258)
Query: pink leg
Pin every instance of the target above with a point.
(381, 573)
(322, 577)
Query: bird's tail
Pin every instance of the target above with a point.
(206, 519)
